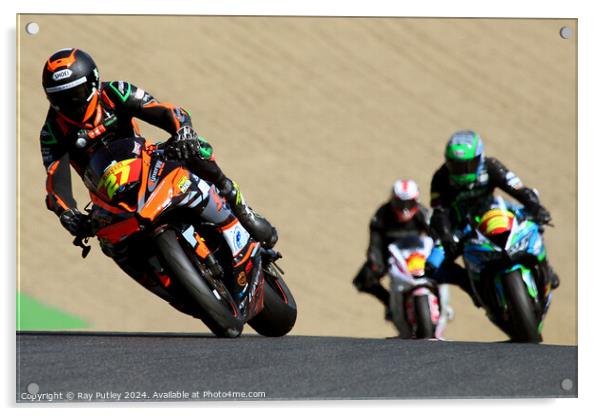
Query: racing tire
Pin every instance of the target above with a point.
(217, 316)
(424, 325)
(279, 312)
(523, 324)
(397, 303)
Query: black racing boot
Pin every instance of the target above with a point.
(554, 279)
(550, 274)
(259, 228)
(368, 281)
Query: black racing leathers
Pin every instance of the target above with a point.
(451, 204)
(385, 228)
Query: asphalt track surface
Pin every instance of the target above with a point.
(292, 367)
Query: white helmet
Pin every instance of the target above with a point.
(404, 199)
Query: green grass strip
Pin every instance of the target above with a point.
(34, 316)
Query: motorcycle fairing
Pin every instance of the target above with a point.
(527, 238)
(236, 236)
(119, 231)
(524, 237)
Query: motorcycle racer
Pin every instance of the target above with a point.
(465, 184)
(402, 213)
(81, 105)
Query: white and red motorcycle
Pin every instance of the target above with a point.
(419, 307)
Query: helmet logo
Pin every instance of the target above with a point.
(67, 61)
(62, 74)
(66, 86)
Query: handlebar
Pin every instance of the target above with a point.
(82, 242)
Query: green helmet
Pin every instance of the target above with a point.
(464, 157)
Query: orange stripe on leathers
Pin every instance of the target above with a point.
(50, 189)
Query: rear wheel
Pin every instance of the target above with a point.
(213, 310)
(279, 311)
(524, 322)
(424, 325)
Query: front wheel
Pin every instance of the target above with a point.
(279, 312)
(523, 320)
(215, 314)
(424, 324)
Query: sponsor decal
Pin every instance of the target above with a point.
(483, 177)
(155, 173)
(136, 149)
(513, 180)
(119, 174)
(182, 115)
(472, 193)
(238, 239)
(139, 93)
(416, 263)
(148, 99)
(242, 278)
(66, 86)
(46, 137)
(123, 90)
(217, 199)
(184, 183)
(62, 74)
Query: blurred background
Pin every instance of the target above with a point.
(315, 118)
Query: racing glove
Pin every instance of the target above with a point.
(376, 262)
(187, 144)
(451, 247)
(75, 222)
(541, 215)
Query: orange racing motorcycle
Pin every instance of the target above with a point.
(194, 251)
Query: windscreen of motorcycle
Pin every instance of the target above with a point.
(410, 241)
(114, 169)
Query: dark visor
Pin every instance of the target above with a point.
(404, 204)
(462, 167)
(72, 102)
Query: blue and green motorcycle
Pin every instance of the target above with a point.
(503, 253)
